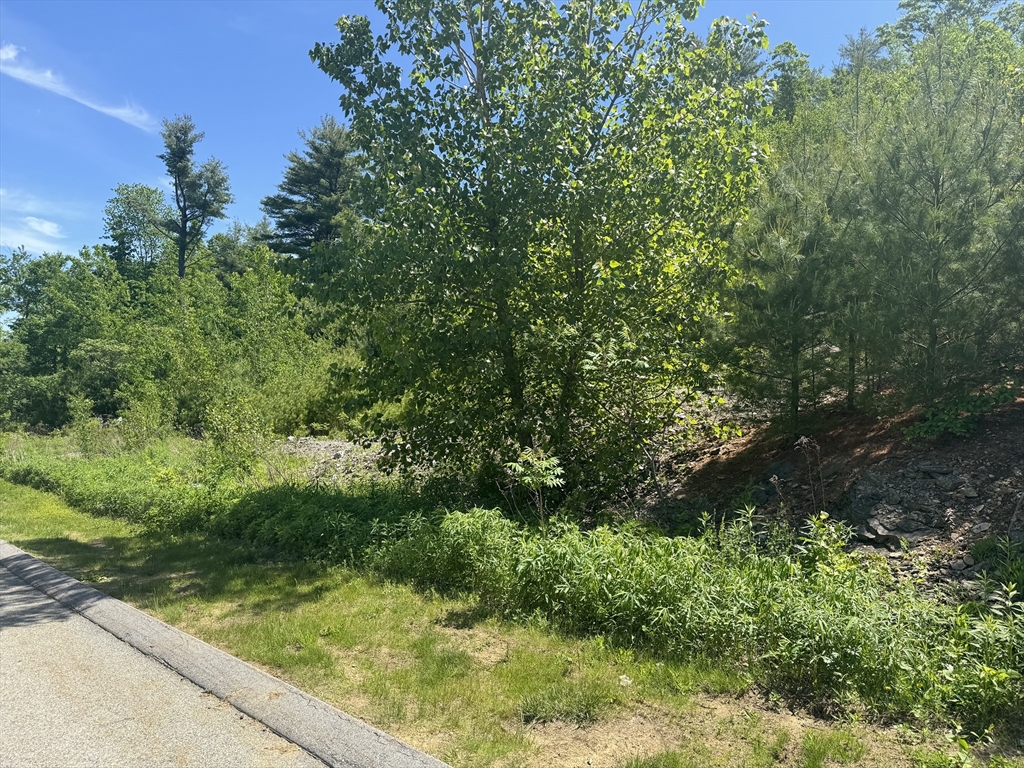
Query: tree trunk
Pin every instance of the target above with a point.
(851, 381)
(182, 245)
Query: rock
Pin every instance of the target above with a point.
(865, 535)
(910, 523)
(336, 456)
(968, 559)
(864, 499)
(919, 506)
(781, 469)
(916, 537)
(763, 494)
(949, 482)
(981, 527)
(933, 468)
(958, 565)
(876, 525)
(979, 508)
(968, 492)
(291, 438)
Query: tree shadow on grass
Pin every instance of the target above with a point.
(153, 570)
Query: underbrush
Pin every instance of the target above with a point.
(797, 615)
(807, 620)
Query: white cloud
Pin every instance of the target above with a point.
(21, 222)
(48, 81)
(43, 227)
(13, 237)
(15, 201)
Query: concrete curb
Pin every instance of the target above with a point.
(338, 739)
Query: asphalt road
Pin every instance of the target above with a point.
(73, 695)
(87, 680)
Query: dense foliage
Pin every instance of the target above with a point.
(884, 249)
(799, 616)
(543, 194)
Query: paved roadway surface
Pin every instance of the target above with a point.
(72, 695)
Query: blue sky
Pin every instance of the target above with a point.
(84, 86)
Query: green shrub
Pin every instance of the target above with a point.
(807, 619)
(959, 416)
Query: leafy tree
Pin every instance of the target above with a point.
(314, 201)
(60, 303)
(543, 187)
(199, 194)
(231, 251)
(131, 220)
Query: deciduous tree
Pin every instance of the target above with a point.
(544, 187)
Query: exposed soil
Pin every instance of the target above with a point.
(933, 497)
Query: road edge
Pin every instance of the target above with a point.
(336, 738)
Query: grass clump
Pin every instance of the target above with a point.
(576, 702)
(840, 747)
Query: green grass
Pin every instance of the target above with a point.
(443, 622)
(836, 747)
(415, 665)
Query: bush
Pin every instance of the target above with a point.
(807, 619)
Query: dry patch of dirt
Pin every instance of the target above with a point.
(710, 731)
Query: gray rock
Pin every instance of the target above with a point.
(934, 468)
(981, 527)
(968, 559)
(968, 492)
(949, 482)
(866, 535)
(910, 523)
(916, 537)
(958, 565)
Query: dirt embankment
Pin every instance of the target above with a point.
(934, 497)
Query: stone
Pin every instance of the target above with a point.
(875, 524)
(910, 523)
(291, 438)
(336, 456)
(865, 535)
(916, 537)
(958, 565)
(933, 468)
(981, 527)
(969, 559)
(979, 508)
(949, 482)
(968, 492)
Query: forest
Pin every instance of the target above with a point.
(521, 274)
